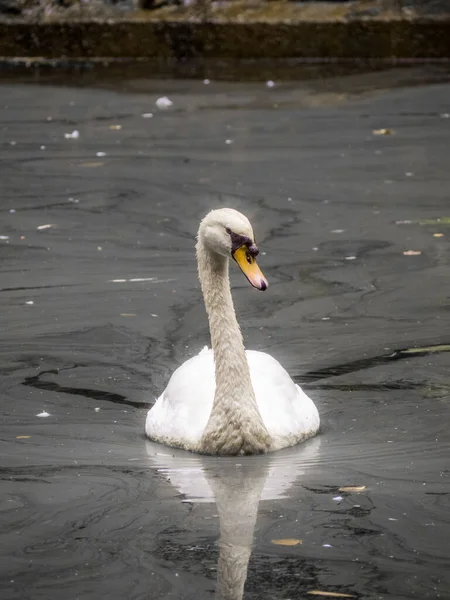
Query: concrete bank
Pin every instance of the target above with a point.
(184, 40)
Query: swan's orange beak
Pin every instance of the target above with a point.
(250, 268)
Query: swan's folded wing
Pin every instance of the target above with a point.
(288, 413)
(180, 414)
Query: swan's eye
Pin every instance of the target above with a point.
(228, 230)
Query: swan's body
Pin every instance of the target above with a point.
(180, 415)
(227, 400)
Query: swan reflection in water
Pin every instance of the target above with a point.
(236, 485)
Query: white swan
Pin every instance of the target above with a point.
(227, 400)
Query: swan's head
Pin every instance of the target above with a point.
(228, 232)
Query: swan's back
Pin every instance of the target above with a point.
(180, 415)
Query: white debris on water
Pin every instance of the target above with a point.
(4, 237)
(327, 545)
(337, 230)
(147, 115)
(134, 280)
(97, 409)
(43, 414)
(45, 226)
(270, 83)
(164, 102)
(29, 302)
(206, 81)
(43, 147)
(229, 142)
(72, 136)
(12, 210)
(143, 279)
(350, 257)
(337, 498)
(100, 154)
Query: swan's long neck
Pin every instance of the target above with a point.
(235, 425)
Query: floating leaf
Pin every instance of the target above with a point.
(127, 314)
(22, 437)
(439, 348)
(438, 221)
(382, 132)
(115, 127)
(438, 235)
(91, 164)
(352, 488)
(287, 542)
(330, 594)
(412, 252)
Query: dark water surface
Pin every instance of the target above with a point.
(97, 310)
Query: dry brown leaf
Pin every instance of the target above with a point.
(127, 314)
(438, 235)
(330, 594)
(412, 252)
(22, 437)
(352, 488)
(287, 542)
(91, 164)
(382, 132)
